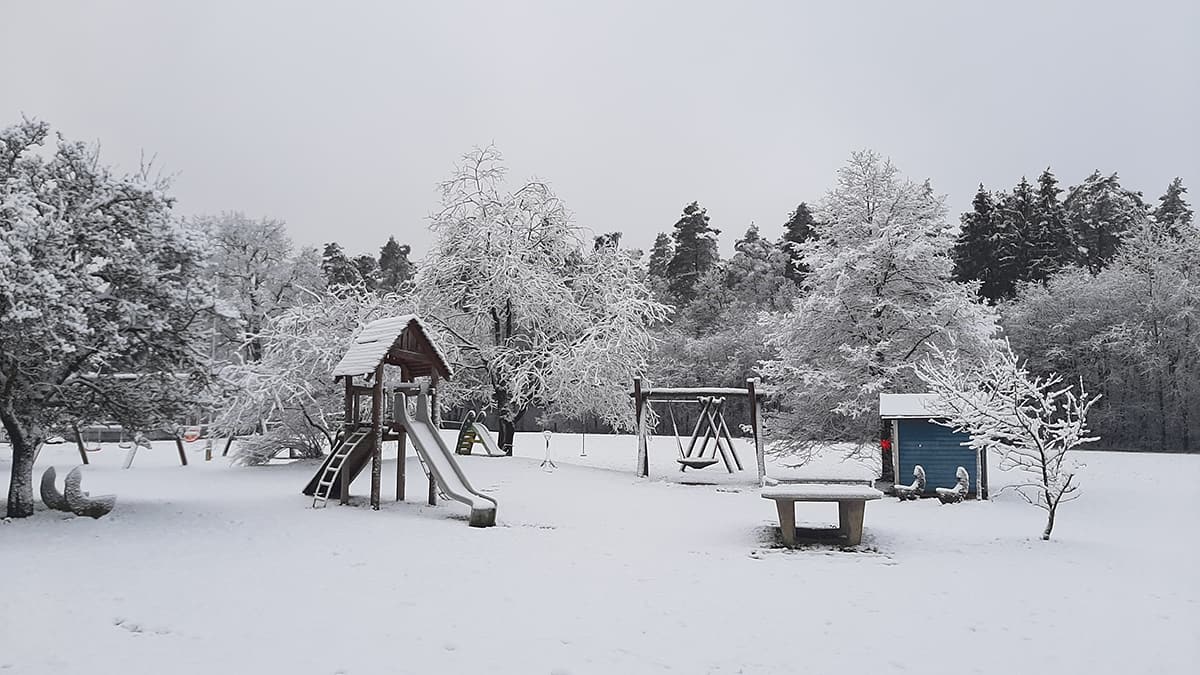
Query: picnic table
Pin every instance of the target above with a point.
(851, 500)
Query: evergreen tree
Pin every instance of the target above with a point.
(1011, 241)
(609, 239)
(757, 273)
(974, 253)
(337, 268)
(660, 256)
(797, 230)
(368, 271)
(695, 253)
(1173, 212)
(1051, 244)
(1100, 212)
(394, 266)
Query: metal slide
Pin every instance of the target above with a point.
(439, 460)
(485, 437)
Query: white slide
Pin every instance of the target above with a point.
(440, 461)
(485, 437)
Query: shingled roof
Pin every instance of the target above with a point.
(397, 341)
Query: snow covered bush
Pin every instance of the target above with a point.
(530, 315)
(98, 281)
(878, 298)
(1031, 422)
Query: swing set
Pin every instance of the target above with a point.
(710, 426)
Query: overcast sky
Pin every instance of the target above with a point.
(341, 117)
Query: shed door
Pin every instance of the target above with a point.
(938, 450)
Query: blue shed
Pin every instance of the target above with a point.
(917, 438)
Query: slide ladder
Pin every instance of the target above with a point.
(331, 470)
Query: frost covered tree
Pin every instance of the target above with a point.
(974, 252)
(1130, 331)
(695, 253)
(395, 269)
(337, 268)
(660, 256)
(1051, 243)
(879, 298)
(1030, 422)
(530, 316)
(1173, 211)
(797, 230)
(287, 397)
(98, 280)
(1100, 212)
(257, 274)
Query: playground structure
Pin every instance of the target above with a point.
(404, 342)
(710, 426)
(472, 433)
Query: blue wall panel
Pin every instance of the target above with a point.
(937, 449)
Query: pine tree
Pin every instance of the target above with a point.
(695, 253)
(368, 271)
(1100, 212)
(606, 240)
(337, 268)
(797, 230)
(1011, 240)
(660, 256)
(394, 266)
(1173, 212)
(973, 253)
(1051, 245)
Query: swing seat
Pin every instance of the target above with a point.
(93, 449)
(697, 462)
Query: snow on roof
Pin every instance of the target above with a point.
(893, 406)
(375, 340)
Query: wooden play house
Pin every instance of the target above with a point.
(917, 439)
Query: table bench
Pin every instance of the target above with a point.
(851, 500)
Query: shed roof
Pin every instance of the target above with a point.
(399, 341)
(895, 406)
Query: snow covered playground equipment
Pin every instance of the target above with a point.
(710, 426)
(404, 342)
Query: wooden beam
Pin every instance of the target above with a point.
(376, 437)
(79, 443)
(643, 459)
(667, 393)
(401, 462)
(760, 457)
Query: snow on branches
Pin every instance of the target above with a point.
(290, 391)
(1031, 422)
(879, 296)
(532, 318)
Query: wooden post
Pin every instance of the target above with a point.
(228, 442)
(759, 451)
(401, 461)
(643, 459)
(435, 411)
(343, 484)
(179, 447)
(432, 489)
(79, 443)
(376, 436)
(982, 475)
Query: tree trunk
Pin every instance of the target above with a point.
(1049, 524)
(24, 451)
(508, 431)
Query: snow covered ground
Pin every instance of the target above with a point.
(218, 569)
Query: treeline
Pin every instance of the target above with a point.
(1091, 281)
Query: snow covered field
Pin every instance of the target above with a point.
(218, 569)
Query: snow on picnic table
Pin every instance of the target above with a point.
(211, 568)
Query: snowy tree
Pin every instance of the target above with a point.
(1031, 422)
(1051, 243)
(880, 297)
(974, 253)
(1129, 330)
(797, 230)
(529, 316)
(257, 274)
(395, 269)
(1173, 211)
(660, 256)
(98, 281)
(288, 396)
(695, 253)
(1100, 212)
(368, 270)
(337, 268)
